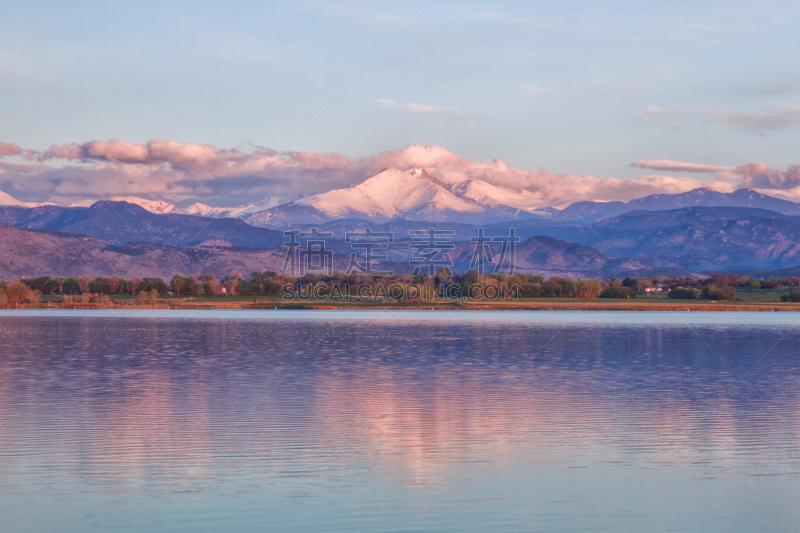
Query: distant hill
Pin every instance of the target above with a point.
(694, 238)
(553, 257)
(32, 253)
(588, 212)
(122, 222)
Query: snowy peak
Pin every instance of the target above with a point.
(154, 206)
(237, 211)
(492, 195)
(8, 200)
(412, 194)
(421, 173)
(389, 194)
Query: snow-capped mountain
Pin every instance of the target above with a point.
(8, 200)
(154, 206)
(393, 193)
(488, 194)
(238, 211)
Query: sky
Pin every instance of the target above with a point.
(227, 102)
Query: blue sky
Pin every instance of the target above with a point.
(573, 88)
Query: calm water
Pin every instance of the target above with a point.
(399, 421)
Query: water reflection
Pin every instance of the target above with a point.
(428, 421)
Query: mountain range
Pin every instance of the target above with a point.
(416, 195)
(121, 222)
(411, 195)
(587, 212)
(697, 231)
(31, 253)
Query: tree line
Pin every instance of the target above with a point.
(270, 283)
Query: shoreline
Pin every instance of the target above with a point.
(520, 305)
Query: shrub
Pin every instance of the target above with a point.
(17, 292)
(618, 292)
(587, 289)
(718, 292)
(753, 285)
(791, 296)
(682, 294)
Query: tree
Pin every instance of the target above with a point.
(113, 285)
(791, 296)
(210, 284)
(617, 291)
(178, 284)
(682, 294)
(100, 286)
(154, 283)
(718, 292)
(753, 285)
(588, 289)
(17, 292)
(133, 285)
(642, 284)
(231, 282)
(83, 284)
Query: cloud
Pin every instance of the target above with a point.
(771, 88)
(785, 117)
(385, 103)
(677, 166)
(753, 122)
(534, 93)
(760, 176)
(187, 156)
(9, 149)
(424, 109)
(659, 115)
(185, 172)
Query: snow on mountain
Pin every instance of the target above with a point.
(488, 194)
(234, 211)
(388, 195)
(6, 199)
(413, 194)
(154, 206)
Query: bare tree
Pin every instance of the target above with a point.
(233, 282)
(17, 292)
(211, 284)
(83, 284)
(133, 285)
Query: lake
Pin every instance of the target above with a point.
(399, 421)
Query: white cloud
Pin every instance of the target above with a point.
(533, 92)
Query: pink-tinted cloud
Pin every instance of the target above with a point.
(174, 171)
(7, 149)
(188, 156)
(760, 176)
(678, 166)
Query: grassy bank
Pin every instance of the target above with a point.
(747, 302)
